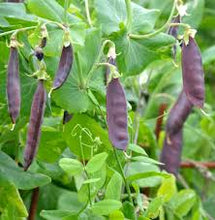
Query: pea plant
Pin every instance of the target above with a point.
(107, 109)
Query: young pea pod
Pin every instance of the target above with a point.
(171, 153)
(193, 75)
(39, 53)
(173, 31)
(34, 128)
(178, 114)
(64, 67)
(66, 117)
(13, 85)
(116, 112)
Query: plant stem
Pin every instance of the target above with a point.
(33, 206)
(17, 30)
(83, 159)
(66, 5)
(88, 12)
(145, 36)
(90, 74)
(129, 13)
(80, 73)
(123, 175)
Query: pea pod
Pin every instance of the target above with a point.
(64, 67)
(171, 153)
(173, 31)
(66, 117)
(13, 85)
(193, 75)
(34, 128)
(116, 112)
(178, 114)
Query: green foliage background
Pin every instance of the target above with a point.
(69, 188)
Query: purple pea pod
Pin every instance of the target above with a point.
(116, 112)
(66, 117)
(178, 114)
(13, 85)
(173, 31)
(64, 67)
(171, 153)
(193, 74)
(34, 128)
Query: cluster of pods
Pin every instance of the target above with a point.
(192, 94)
(39, 99)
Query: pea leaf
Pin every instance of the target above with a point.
(106, 206)
(12, 204)
(183, 201)
(135, 55)
(96, 162)
(113, 192)
(22, 180)
(112, 15)
(71, 166)
(49, 9)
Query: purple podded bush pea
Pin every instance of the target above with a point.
(193, 74)
(34, 128)
(116, 112)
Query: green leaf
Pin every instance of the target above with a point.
(10, 172)
(49, 9)
(73, 91)
(69, 201)
(135, 55)
(55, 214)
(11, 202)
(167, 188)
(113, 192)
(136, 148)
(146, 175)
(16, 12)
(128, 210)
(116, 215)
(183, 201)
(94, 180)
(208, 55)
(72, 134)
(105, 207)
(195, 12)
(146, 160)
(154, 208)
(71, 166)
(96, 162)
(112, 14)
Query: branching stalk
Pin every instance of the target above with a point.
(88, 12)
(17, 30)
(145, 36)
(129, 13)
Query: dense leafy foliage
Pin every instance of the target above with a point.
(79, 173)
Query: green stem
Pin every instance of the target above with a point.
(90, 74)
(129, 13)
(123, 176)
(17, 30)
(83, 159)
(145, 36)
(80, 73)
(66, 5)
(88, 12)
